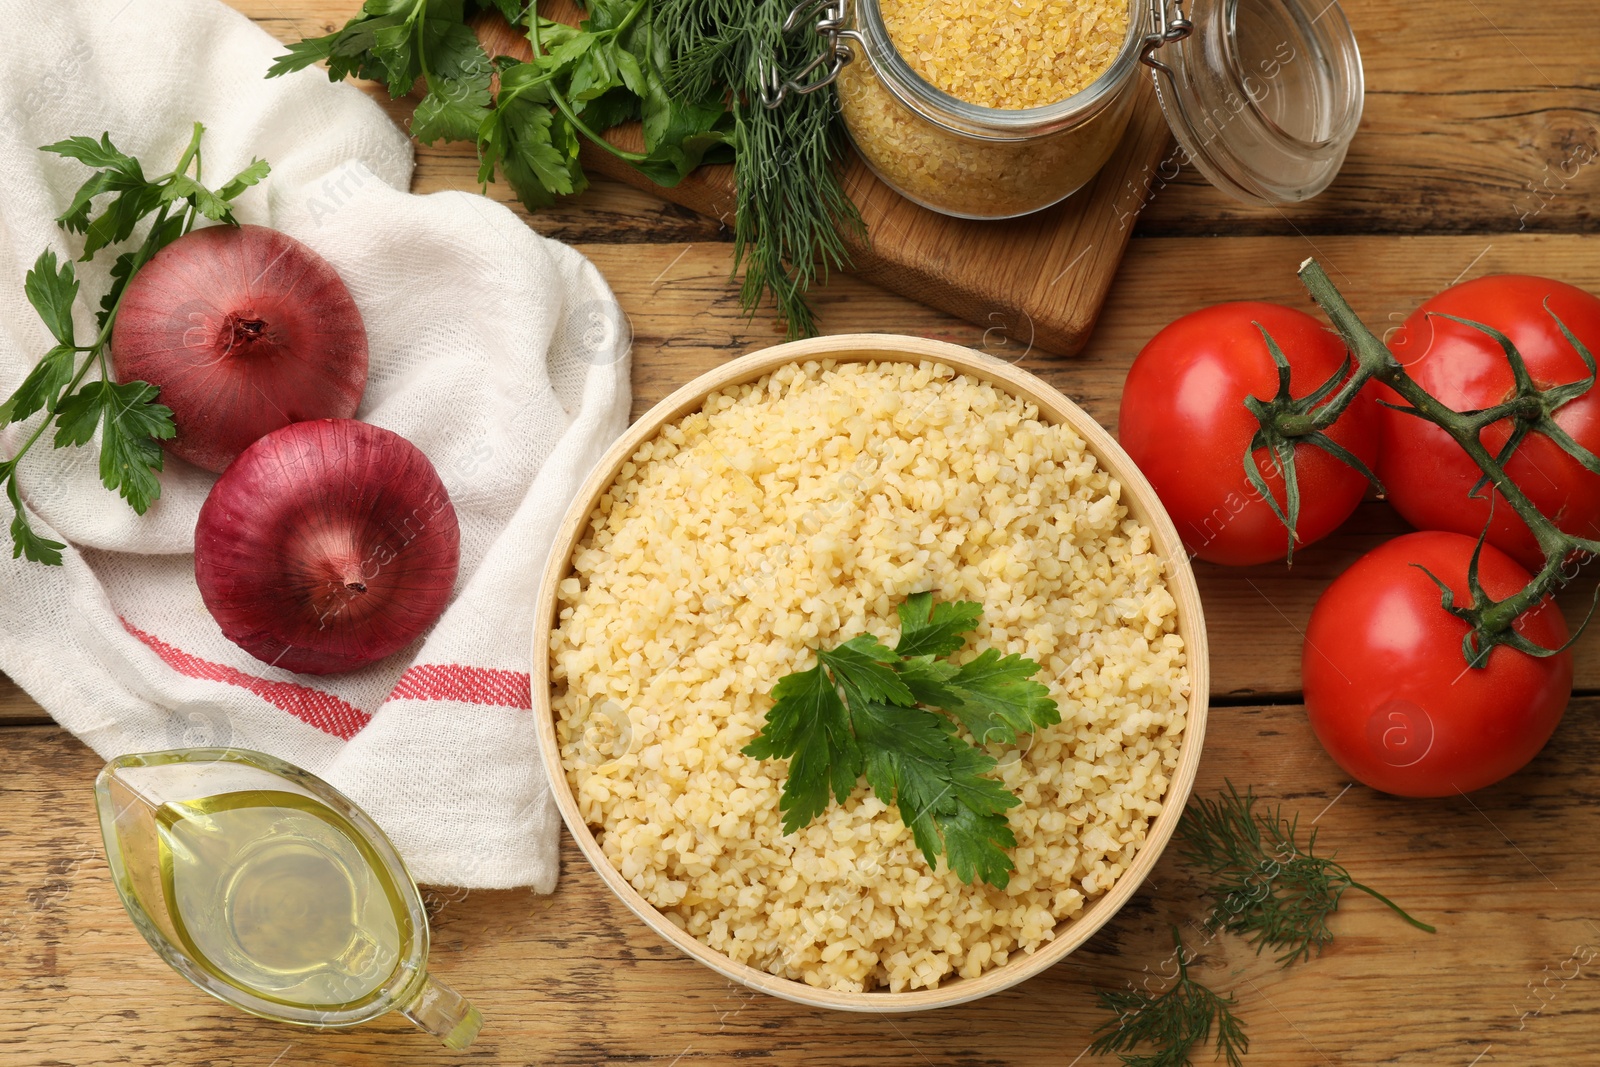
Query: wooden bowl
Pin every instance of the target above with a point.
(1141, 502)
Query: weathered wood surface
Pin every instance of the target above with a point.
(1050, 270)
(1482, 119)
(686, 320)
(574, 979)
(1253, 614)
(1479, 116)
(16, 707)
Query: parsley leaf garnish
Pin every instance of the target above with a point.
(864, 668)
(991, 695)
(929, 629)
(125, 415)
(809, 726)
(867, 709)
(996, 700)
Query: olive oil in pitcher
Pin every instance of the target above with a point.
(268, 889)
(272, 891)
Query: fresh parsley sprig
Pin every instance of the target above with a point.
(1265, 885)
(1174, 1022)
(866, 709)
(129, 420)
(580, 82)
(691, 71)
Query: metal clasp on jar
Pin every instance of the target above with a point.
(1167, 30)
(831, 27)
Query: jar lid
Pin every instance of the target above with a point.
(1262, 95)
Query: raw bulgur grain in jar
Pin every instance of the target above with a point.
(990, 108)
(799, 511)
(1006, 54)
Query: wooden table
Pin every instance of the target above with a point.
(1482, 119)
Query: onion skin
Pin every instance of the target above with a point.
(327, 546)
(244, 330)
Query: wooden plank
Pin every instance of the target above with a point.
(686, 321)
(983, 271)
(574, 979)
(1489, 132)
(1479, 117)
(18, 708)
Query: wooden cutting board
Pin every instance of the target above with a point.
(1033, 283)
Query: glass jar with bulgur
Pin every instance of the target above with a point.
(990, 108)
(995, 108)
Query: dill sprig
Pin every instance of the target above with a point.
(1173, 1022)
(793, 215)
(1265, 885)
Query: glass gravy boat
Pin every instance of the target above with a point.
(267, 888)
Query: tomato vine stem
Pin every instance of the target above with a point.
(1529, 408)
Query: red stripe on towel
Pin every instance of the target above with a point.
(468, 685)
(312, 706)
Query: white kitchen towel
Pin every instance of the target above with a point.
(502, 355)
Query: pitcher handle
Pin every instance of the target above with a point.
(444, 1013)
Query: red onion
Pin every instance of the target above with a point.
(244, 330)
(327, 546)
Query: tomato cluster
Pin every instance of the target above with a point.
(1388, 686)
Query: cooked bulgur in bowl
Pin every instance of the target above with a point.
(796, 509)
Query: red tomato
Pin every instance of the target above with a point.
(1423, 470)
(1184, 422)
(1389, 692)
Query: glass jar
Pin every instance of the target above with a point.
(1263, 96)
(971, 161)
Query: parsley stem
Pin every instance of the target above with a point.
(422, 59)
(627, 20)
(561, 101)
(572, 117)
(140, 258)
(38, 431)
(190, 153)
